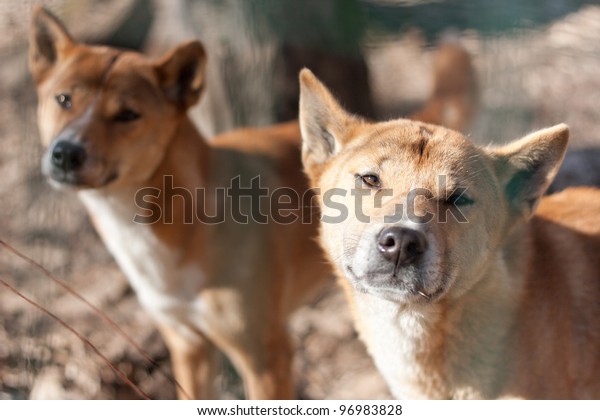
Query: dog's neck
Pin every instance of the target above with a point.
(151, 253)
(448, 348)
(186, 160)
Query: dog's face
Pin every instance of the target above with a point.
(414, 212)
(412, 194)
(106, 116)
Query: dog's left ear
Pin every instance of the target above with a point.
(526, 167)
(323, 122)
(181, 73)
(48, 42)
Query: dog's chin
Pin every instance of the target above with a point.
(387, 286)
(73, 181)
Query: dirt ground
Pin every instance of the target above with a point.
(528, 79)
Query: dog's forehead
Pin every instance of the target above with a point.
(132, 72)
(96, 67)
(415, 143)
(415, 153)
(133, 65)
(84, 67)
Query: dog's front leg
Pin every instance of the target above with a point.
(194, 363)
(267, 373)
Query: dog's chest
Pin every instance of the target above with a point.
(166, 289)
(429, 353)
(400, 343)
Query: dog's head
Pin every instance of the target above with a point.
(106, 115)
(415, 212)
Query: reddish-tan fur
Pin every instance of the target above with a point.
(504, 305)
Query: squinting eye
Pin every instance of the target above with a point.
(64, 100)
(371, 180)
(126, 115)
(459, 198)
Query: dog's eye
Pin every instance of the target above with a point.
(126, 115)
(371, 180)
(459, 198)
(64, 100)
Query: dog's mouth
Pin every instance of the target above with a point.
(77, 180)
(392, 287)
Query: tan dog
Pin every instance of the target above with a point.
(115, 123)
(467, 291)
(116, 130)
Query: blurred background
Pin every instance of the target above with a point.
(536, 63)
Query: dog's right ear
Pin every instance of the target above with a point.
(181, 74)
(526, 167)
(323, 122)
(48, 41)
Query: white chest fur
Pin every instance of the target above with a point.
(427, 352)
(396, 339)
(166, 289)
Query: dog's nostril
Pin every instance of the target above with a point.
(401, 245)
(388, 242)
(58, 155)
(413, 248)
(77, 157)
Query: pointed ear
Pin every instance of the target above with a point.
(526, 167)
(48, 42)
(181, 73)
(323, 122)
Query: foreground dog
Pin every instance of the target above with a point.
(115, 127)
(468, 290)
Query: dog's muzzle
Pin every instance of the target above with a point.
(67, 163)
(67, 156)
(396, 263)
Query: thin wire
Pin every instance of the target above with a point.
(97, 311)
(87, 342)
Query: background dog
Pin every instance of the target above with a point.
(114, 124)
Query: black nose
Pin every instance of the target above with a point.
(68, 156)
(403, 245)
